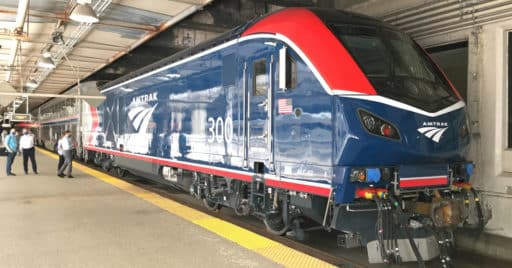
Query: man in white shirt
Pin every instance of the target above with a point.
(66, 146)
(27, 148)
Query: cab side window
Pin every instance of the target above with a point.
(260, 78)
(291, 72)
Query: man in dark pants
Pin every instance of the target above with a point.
(66, 146)
(59, 151)
(11, 145)
(27, 147)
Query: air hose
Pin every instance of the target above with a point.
(404, 227)
(478, 208)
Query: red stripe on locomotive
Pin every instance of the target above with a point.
(423, 182)
(322, 191)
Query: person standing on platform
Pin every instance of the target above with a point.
(4, 135)
(11, 145)
(58, 150)
(27, 148)
(67, 150)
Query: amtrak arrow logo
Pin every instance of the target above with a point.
(140, 117)
(433, 133)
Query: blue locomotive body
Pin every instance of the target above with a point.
(275, 123)
(208, 111)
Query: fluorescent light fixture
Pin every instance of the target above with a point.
(46, 63)
(32, 83)
(83, 13)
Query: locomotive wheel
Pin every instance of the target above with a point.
(85, 156)
(97, 160)
(211, 205)
(121, 172)
(106, 164)
(275, 224)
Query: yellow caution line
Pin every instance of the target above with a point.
(266, 247)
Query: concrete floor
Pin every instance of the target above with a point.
(46, 221)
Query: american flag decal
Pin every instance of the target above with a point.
(285, 106)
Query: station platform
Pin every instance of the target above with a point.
(95, 220)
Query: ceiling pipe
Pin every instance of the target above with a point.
(18, 31)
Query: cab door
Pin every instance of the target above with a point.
(260, 70)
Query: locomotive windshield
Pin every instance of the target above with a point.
(396, 66)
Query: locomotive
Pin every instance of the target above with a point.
(303, 113)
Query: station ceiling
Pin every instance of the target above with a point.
(33, 29)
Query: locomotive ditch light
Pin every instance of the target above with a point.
(463, 170)
(358, 175)
(378, 126)
(368, 175)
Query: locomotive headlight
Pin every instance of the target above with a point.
(358, 174)
(386, 130)
(370, 175)
(378, 126)
(369, 122)
(463, 170)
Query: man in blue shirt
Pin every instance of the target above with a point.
(11, 146)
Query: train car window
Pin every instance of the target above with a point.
(260, 78)
(229, 70)
(291, 72)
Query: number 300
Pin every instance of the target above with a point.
(220, 130)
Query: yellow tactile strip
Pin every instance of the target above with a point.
(268, 248)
